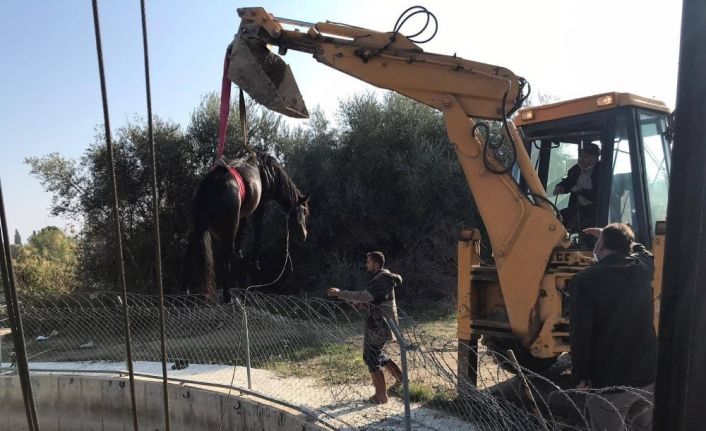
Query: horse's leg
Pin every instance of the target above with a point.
(258, 218)
(187, 274)
(227, 250)
(239, 239)
(207, 271)
(200, 241)
(199, 256)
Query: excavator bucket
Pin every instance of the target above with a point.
(265, 77)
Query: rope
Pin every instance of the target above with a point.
(287, 258)
(225, 108)
(230, 391)
(155, 215)
(244, 122)
(116, 214)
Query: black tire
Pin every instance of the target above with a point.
(498, 347)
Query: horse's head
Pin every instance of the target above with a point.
(298, 217)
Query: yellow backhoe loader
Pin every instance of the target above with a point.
(519, 300)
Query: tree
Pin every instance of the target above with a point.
(390, 180)
(47, 263)
(384, 177)
(16, 246)
(81, 189)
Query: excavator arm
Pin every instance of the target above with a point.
(523, 230)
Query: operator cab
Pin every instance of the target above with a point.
(633, 136)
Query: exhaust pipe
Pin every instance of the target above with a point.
(265, 77)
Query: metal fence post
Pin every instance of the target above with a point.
(404, 348)
(247, 341)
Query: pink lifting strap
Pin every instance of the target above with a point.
(223, 128)
(238, 179)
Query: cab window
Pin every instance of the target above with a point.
(622, 197)
(655, 147)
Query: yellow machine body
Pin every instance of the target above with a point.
(522, 295)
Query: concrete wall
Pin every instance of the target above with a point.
(77, 403)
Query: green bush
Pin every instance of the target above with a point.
(47, 264)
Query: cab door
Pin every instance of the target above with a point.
(639, 176)
(654, 142)
(655, 139)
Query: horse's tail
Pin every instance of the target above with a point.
(199, 276)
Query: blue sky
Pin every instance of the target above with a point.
(50, 91)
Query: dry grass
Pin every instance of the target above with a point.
(339, 363)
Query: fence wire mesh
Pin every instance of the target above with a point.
(308, 353)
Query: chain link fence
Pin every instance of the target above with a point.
(308, 353)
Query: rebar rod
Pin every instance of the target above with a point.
(13, 312)
(116, 213)
(155, 216)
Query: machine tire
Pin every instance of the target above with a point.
(498, 347)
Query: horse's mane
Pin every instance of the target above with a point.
(285, 191)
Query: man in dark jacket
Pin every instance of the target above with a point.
(379, 295)
(613, 339)
(582, 183)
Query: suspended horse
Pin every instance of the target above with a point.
(229, 193)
